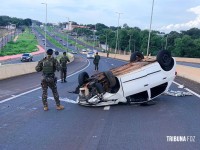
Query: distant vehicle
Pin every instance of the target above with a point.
(60, 39)
(64, 44)
(74, 52)
(90, 54)
(137, 82)
(27, 57)
(84, 51)
(43, 39)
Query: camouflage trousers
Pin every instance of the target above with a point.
(63, 74)
(51, 83)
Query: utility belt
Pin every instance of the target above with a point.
(50, 78)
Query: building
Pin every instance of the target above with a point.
(70, 27)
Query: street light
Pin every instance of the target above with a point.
(150, 28)
(117, 32)
(45, 28)
(67, 34)
(94, 37)
(130, 44)
(166, 42)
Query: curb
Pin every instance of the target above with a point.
(40, 51)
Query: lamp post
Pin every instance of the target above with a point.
(94, 37)
(117, 32)
(166, 43)
(67, 34)
(45, 28)
(130, 44)
(107, 42)
(150, 29)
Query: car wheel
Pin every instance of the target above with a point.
(165, 60)
(111, 78)
(136, 56)
(99, 88)
(82, 78)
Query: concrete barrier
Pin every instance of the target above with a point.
(183, 71)
(12, 70)
(188, 72)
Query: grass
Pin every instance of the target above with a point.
(25, 43)
(52, 40)
(70, 41)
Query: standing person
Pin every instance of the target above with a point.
(63, 62)
(96, 61)
(48, 66)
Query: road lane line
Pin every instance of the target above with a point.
(106, 108)
(30, 91)
(188, 89)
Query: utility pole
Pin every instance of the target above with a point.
(166, 43)
(150, 29)
(94, 37)
(106, 42)
(130, 44)
(117, 32)
(45, 28)
(67, 34)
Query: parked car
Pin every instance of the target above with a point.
(139, 81)
(27, 57)
(90, 54)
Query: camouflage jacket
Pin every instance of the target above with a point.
(63, 61)
(48, 66)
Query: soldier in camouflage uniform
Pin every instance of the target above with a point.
(63, 63)
(48, 66)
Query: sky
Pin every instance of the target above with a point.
(168, 15)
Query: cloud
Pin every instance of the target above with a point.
(187, 25)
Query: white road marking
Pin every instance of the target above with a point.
(106, 108)
(188, 90)
(30, 91)
(65, 100)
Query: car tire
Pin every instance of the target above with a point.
(136, 56)
(165, 60)
(99, 88)
(111, 78)
(82, 78)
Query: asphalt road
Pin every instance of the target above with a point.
(24, 125)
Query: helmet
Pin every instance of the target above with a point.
(49, 52)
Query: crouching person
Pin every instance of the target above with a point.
(48, 66)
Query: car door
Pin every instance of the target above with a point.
(134, 82)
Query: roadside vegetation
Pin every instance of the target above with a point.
(25, 43)
(64, 37)
(181, 44)
(52, 40)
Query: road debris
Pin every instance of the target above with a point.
(178, 93)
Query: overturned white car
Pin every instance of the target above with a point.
(139, 81)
